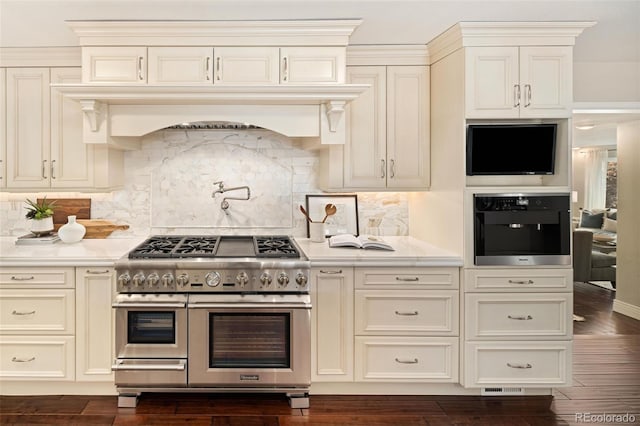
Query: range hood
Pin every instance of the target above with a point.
(120, 114)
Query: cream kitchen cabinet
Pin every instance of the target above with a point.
(114, 65)
(246, 65)
(312, 65)
(387, 144)
(518, 82)
(406, 325)
(332, 324)
(180, 65)
(518, 327)
(37, 324)
(95, 336)
(44, 142)
(3, 127)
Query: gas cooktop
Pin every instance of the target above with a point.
(180, 247)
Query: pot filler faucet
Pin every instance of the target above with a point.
(224, 205)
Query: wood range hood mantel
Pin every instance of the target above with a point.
(119, 114)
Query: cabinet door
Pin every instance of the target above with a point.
(246, 65)
(95, 342)
(492, 82)
(180, 65)
(3, 128)
(28, 117)
(312, 65)
(546, 81)
(365, 152)
(72, 160)
(332, 325)
(122, 65)
(408, 127)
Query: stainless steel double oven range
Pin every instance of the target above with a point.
(211, 314)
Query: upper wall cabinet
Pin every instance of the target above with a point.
(3, 128)
(44, 142)
(387, 144)
(114, 65)
(518, 82)
(201, 65)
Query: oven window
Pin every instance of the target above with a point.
(151, 327)
(258, 340)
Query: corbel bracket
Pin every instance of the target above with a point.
(335, 111)
(92, 110)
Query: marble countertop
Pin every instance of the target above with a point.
(408, 251)
(103, 252)
(88, 252)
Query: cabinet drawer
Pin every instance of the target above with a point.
(37, 311)
(37, 278)
(407, 278)
(518, 279)
(521, 316)
(408, 359)
(406, 313)
(532, 364)
(37, 358)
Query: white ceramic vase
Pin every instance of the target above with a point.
(42, 226)
(72, 231)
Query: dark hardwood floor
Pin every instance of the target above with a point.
(606, 380)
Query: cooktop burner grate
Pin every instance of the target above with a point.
(215, 246)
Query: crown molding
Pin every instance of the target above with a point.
(402, 54)
(467, 34)
(333, 32)
(40, 57)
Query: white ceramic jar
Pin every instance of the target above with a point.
(72, 231)
(42, 226)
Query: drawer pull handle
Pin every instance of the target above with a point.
(407, 279)
(339, 271)
(14, 278)
(520, 317)
(23, 313)
(520, 281)
(407, 314)
(522, 366)
(14, 359)
(407, 361)
(89, 271)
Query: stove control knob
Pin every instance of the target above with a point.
(182, 280)
(212, 279)
(283, 279)
(153, 279)
(138, 279)
(301, 279)
(167, 279)
(265, 279)
(124, 280)
(242, 279)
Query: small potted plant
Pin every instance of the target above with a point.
(41, 216)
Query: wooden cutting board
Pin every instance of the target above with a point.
(64, 207)
(100, 228)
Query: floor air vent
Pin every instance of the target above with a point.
(502, 391)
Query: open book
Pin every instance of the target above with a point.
(363, 241)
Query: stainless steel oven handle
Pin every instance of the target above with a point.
(206, 305)
(148, 305)
(147, 367)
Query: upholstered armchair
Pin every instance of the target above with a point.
(590, 264)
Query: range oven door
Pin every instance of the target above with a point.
(151, 326)
(255, 340)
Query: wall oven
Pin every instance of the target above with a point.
(522, 229)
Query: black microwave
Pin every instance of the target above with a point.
(511, 149)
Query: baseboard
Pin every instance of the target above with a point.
(627, 309)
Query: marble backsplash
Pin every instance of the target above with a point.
(170, 182)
